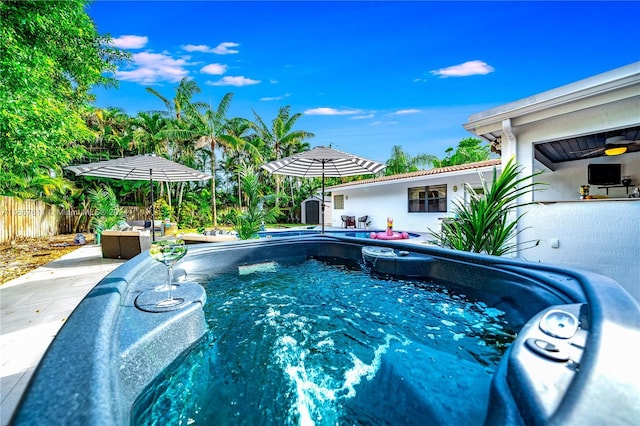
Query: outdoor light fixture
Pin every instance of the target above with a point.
(618, 150)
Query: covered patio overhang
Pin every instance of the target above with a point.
(609, 143)
(603, 112)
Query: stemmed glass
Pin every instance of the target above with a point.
(168, 252)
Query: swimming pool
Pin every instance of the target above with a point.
(571, 362)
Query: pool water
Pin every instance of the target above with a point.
(322, 344)
(345, 233)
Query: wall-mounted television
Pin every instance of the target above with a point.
(604, 174)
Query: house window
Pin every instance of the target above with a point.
(338, 202)
(428, 199)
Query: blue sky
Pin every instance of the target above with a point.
(365, 75)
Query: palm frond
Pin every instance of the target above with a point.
(485, 224)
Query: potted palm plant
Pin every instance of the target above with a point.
(488, 223)
(249, 220)
(107, 213)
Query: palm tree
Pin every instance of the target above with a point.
(146, 133)
(108, 125)
(280, 138)
(209, 130)
(177, 129)
(181, 102)
(238, 133)
(401, 162)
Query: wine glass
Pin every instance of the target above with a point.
(168, 252)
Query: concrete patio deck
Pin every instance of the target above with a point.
(33, 308)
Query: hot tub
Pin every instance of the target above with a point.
(574, 360)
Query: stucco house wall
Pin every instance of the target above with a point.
(389, 198)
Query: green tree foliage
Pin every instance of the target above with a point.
(402, 162)
(50, 57)
(249, 219)
(280, 139)
(107, 212)
(469, 150)
(197, 125)
(487, 224)
(147, 128)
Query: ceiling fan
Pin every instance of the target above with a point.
(614, 145)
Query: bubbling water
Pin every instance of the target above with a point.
(316, 344)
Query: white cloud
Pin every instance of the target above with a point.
(331, 111)
(150, 68)
(130, 42)
(361, 117)
(276, 98)
(225, 48)
(238, 81)
(464, 70)
(197, 48)
(405, 111)
(215, 69)
(383, 123)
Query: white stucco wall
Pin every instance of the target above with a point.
(390, 199)
(600, 236)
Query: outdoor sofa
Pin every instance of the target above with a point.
(146, 224)
(200, 238)
(124, 244)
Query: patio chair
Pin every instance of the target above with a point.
(348, 221)
(362, 221)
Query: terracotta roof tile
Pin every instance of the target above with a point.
(436, 171)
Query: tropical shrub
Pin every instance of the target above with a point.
(487, 223)
(107, 213)
(256, 212)
(162, 209)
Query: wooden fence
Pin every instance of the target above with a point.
(35, 219)
(26, 218)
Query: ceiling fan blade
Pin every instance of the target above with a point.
(621, 142)
(594, 151)
(584, 150)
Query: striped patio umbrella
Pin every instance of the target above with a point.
(323, 161)
(141, 167)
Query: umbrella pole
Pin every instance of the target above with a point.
(322, 195)
(153, 216)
